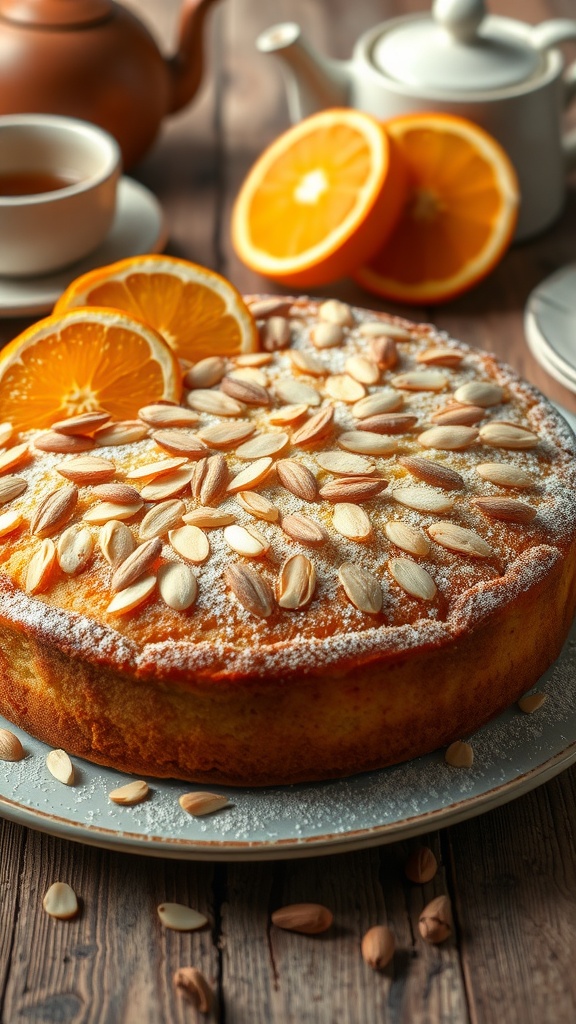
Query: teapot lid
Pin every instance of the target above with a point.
(51, 13)
(458, 48)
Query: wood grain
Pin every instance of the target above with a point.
(511, 874)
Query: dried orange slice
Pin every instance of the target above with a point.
(318, 202)
(459, 216)
(83, 360)
(198, 312)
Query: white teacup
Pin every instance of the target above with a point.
(58, 184)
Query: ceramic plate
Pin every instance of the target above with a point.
(138, 227)
(512, 755)
(549, 325)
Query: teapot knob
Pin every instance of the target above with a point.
(460, 18)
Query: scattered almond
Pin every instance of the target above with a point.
(450, 357)
(104, 511)
(458, 415)
(40, 567)
(60, 766)
(384, 328)
(288, 415)
(306, 362)
(421, 866)
(246, 541)
(384, 352)
(435, 922)
(192, 982)
(459, 755)
(344, 388)
(136, 564)
(214, 402)
(367, 442)
(449, 439)
(458, 538)
(504, 474)
(11, 457)
(317, 429)
(353, 488)
(161, 518)
(158, 416)
(479, 392)
(84, 423)
(413, 578)
(334, 311)
(342, 464)
(423, 499)
(325, 335)
(407, 538)
(87, 469)
(180, 918)
(211, 479)
(10, 521)
(296, 582)
(199, 804)
(263, 308)
(118, 494)
(61, 901)
(528, 704)
(258, 506)
(151, 470)
(378, 947)
(363, 370)
(381, 401)
(11, 748)
(263, 445)
(246, 391)
(296, 392)
(361, 588)
(226, 435)
(6, 432)
(123, 432)
(253, 475)
(297, 479)
(250, 589)
(178, 585)
(388, 423)
(351, 521)
(433, 473)
(307, 918)
(74, 549)
(506, 435)
(11, 487)
(508, 510)
(210, 518)
(420, 380)
(116, 542)
(304, 530)
(181, 442)
(191, 543)
(253, 359)
(205, 373)
(130, 794)
(275, 333)
(131, 597)
(50, 441)
(54, 511)
(168, 485)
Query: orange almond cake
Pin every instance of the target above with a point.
(343, 551)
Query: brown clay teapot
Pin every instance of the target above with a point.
(95, 60)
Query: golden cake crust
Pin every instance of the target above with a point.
(218, 693)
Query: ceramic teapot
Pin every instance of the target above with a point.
(507, 76)
(94, 60)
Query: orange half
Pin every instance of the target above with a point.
(459, 216)
(320, 200)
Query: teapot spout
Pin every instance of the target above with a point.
(312, 82)
(187, 64)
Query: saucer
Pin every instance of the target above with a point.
(549, 324)
(138, 227)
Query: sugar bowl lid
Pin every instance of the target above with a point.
(456, 48)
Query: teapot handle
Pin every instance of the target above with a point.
(544, 36)
(569, 139)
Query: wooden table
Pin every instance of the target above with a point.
(511, 873)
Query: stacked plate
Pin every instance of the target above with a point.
(550, 325)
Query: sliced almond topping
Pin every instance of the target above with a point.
(226, 435)
(123, 432)
(351, 521)
(263, 445)
(421, 380)
(210, 480)
(297, 479)
(333, 311)
(450, 357)
(9, 521)
(126, 600)
(84, 423)
(191, 543)
(423, 499)
(246, 541)
(74, 549)
(263, 308)
(504, 474)
(380, 328)
(287, 415)
(459, 755)
(11, 748)
(383, 352)
(296, 583)
(305, 530)
(388, 423)
(87, 469)
(385, 400)
(6, 432)
(343, 464)
(253, 359)
(325, 335)
(61, 901)
(306, 918)
(433, 473)
(51, 441)
(205, 373)
(60, 766)
(505, 435)
(412, 578)
(103, 511)
(316, 429)
(508, 510)
(362, 370)
(460, 539)
(168, 485)
(250, 477)
(344, 388)
(407, 538)
(178, 585)
(163, 517)
(531, 702)
(180, 918)
(199, 804)
(296, 392)
(361, 588)
(353, 488)
(258, 506)
(275, 333)
(150, 470)
(366, 442)
(479, 392)
(250, 373)
(12, 456)
(181, 442)
(54, 511)
(245, 391)
(214, 402)
(306, 362)
(448, 439)
(251, 589)
(209, 518)
(159, 416)
(130, 794)
(11, 487)
(136, 564)
(116, 542)
(458, 415)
